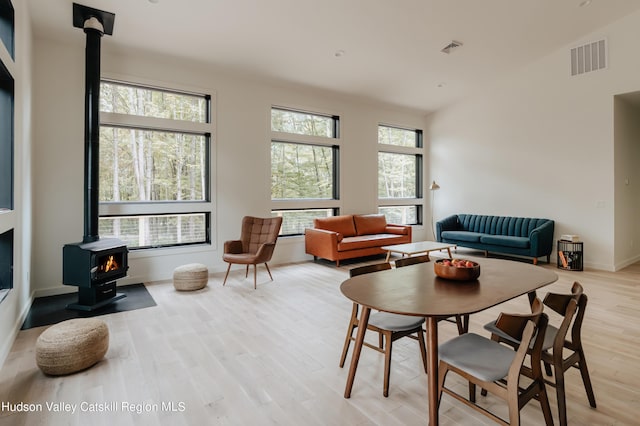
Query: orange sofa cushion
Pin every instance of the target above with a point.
(367, 224)
(341, 224)
(369, 241)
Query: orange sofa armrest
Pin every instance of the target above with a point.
(398, 229)
(321, 243)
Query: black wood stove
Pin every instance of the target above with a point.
(94, 264)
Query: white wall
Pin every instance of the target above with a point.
(540, 144)
(241, 153)
(15, 306)
(627, 178)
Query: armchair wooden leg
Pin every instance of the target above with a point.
(255, 276)
(246, 274)
(265, 264)
(226, 275)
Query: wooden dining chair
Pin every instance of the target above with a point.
(461, 321)
(498, 368)
(390, 327)
(411, 260)
(557, 351)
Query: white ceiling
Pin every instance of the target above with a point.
(391, 47)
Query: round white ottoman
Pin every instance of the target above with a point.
(192, 276)
(72, 346)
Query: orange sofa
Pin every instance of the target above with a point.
(349, 236)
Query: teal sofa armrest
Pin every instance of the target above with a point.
(449, 223)
(542, 239)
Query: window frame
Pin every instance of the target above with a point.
(113, 209)
(418, 152)
(301, 204)
(9, 217)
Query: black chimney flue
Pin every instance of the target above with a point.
(92, 134)
(95, 23)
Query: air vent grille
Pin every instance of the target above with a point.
(451, 47)
(589, 57)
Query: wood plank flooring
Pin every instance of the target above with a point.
(237, 356)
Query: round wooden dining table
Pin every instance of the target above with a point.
(416, 290)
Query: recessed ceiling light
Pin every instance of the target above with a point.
(339, 53)
(584, 3)
(441, 84)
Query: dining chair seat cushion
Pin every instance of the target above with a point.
(549, 335)
(394, 322)
(478, 356)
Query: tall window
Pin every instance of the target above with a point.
(400, 157)
(7, 160)
(155, 149)
(304, 168)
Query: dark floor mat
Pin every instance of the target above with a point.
(52, 309)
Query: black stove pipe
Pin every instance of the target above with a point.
(92, 134)
(95, 24)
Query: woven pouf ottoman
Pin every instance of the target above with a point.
(72, 346)
(192, 276)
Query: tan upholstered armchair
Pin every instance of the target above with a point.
(256, 245)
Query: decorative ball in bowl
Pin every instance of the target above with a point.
(457, 269)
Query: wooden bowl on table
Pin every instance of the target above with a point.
(457, 269)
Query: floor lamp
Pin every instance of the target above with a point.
(433, 187)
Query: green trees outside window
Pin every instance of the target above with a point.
(400, 157)
(304, 173)
(154, 165)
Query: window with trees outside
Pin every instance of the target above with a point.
(155, 149)
(400, 157)
(304, 168)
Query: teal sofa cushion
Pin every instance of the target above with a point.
(461, 236)
(501, 240)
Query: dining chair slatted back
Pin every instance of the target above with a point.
(367, 269)
(412, 260)
(389, 327)
(497, 368)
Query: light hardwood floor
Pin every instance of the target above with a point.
(237, 356)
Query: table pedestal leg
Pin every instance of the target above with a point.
(355, 357)
(432, 358)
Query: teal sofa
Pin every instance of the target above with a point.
(521, 236)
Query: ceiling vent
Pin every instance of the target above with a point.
(589, 57)
(451, 47)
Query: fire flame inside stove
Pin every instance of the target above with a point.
(111, 264)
